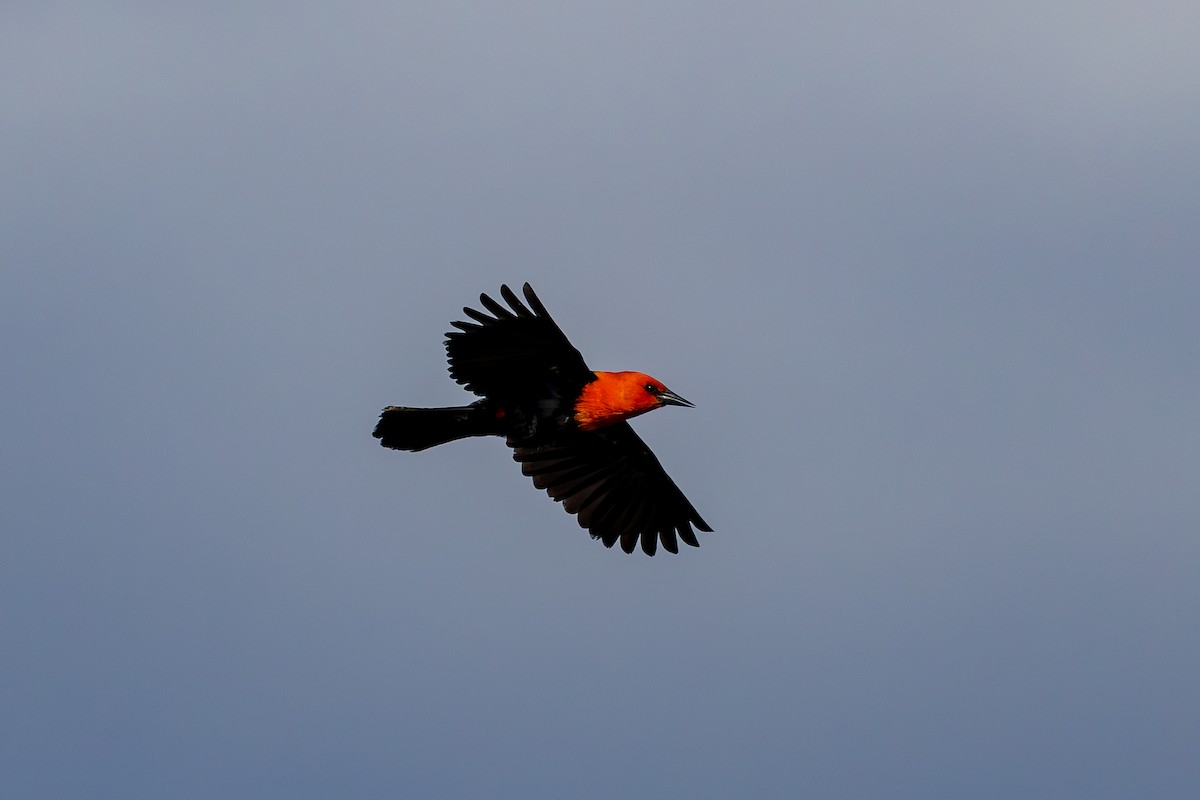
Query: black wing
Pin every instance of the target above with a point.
(616, 486)
(514, 353)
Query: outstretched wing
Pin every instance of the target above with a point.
(513, 351)
(616, 486)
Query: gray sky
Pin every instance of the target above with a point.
(928, 271)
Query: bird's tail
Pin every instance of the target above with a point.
(419, 428)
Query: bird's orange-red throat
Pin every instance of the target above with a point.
(567, 425)
(616, 396)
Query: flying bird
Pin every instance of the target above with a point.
(565, 423)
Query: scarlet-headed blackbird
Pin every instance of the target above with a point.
(565, 423)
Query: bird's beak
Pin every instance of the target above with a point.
(669, 398)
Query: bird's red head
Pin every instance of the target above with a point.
(617, 396)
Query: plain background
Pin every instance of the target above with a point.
(929, 271)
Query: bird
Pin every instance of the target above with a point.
(566, 424)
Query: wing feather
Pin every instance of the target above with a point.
(514, 351)
(616, 486)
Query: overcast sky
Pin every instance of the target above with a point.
(929, 271)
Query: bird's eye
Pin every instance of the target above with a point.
(651, 388)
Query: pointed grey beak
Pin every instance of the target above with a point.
(669, 398)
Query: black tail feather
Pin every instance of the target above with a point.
(419, 428)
